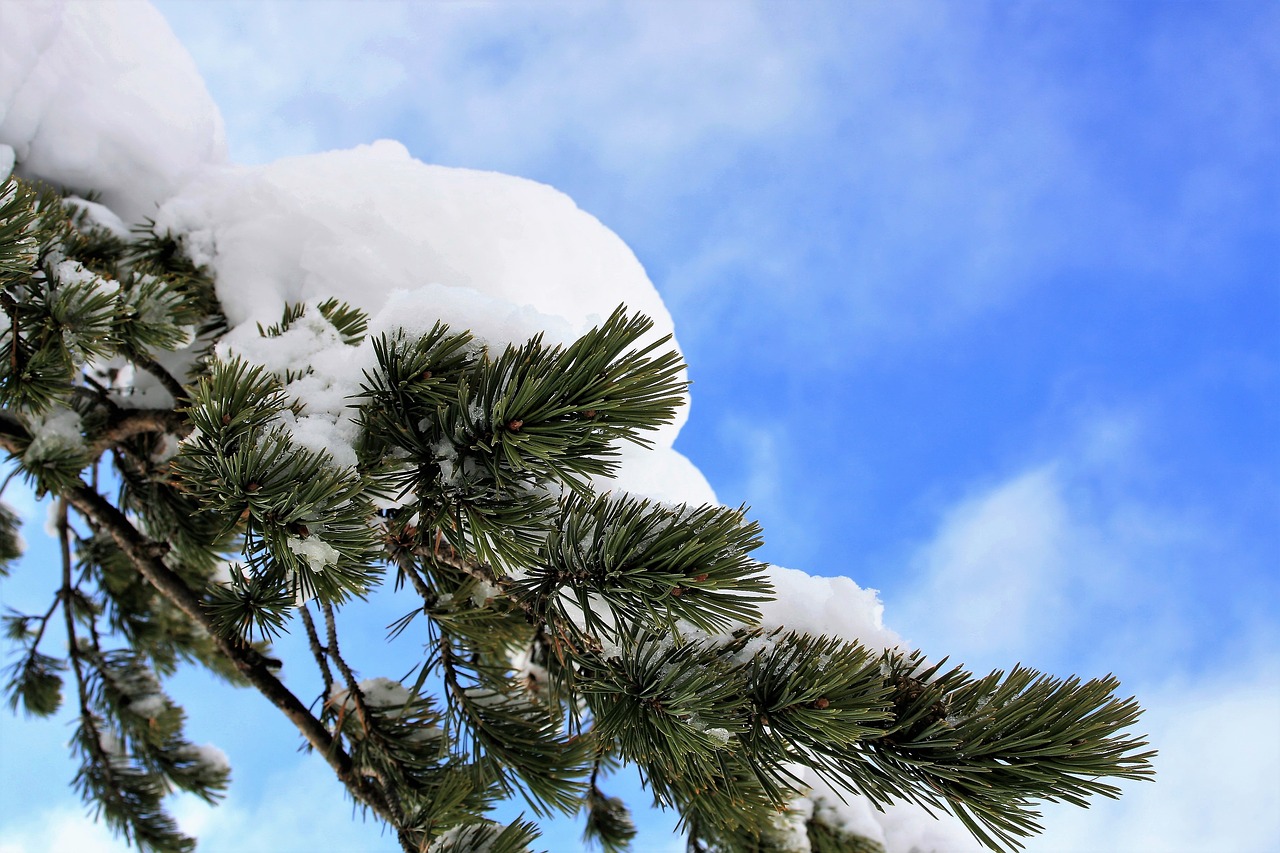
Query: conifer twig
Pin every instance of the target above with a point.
(143, 554)
(317, 652)
(164, 377)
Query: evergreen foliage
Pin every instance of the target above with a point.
(565, 632)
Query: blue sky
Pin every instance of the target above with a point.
(981, 303)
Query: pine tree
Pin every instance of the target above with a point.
(566, 632)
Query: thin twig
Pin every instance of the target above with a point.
(318, 652)
(445, 555)
(94, 740)
(353, 689)
(131, 422)
(173, 386)
(44, 621)
(406, 565)
(362, 710)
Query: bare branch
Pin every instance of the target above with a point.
(131, 422)
(317, 652)
(173, 386)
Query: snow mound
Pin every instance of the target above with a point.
(410, 244)
(836, 607)
(102, 97)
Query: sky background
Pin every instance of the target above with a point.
(981, 304)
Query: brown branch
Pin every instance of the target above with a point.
(128, 423)
(131, 422)
(362, 710)
(93, 742)
(425, 592)
(12, 433)
(145, 556)
(136, 421)
(165, 378)
(445, 555)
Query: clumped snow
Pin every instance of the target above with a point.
(317, 553)
(836, 607)
(410, 244)
(210, 757)
(55, 432)
(101, 97)
(377, 693)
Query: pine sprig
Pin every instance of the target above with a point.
(20, 223)
(612, 562)
(556, 412)
(35, 683)
(488, 836)
(609, 825)
(671, 707)
(992, 746)
(826, 834)
(11, 544)
(515, 737)
(127, 692)
(122, 794)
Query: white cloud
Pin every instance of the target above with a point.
(628, 86)
(1084, 559)
(303, 809)
(994, 577)
(58, 830)
(929, 192)
(758, 464)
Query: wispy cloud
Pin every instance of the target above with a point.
(628, 87)
(57, 830)
(759, 466)
(926, 164)
(995, 578)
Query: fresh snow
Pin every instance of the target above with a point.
(410, 244)
(102, 97)
(211, 757)
(377, 693)
(99, 97)
(836, 607)
(55, 432)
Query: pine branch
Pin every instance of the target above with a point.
(145, 555)
(124, 424)
(634, 619)
(34, 682)
(353, 689)
(129, 800)
(609, 822)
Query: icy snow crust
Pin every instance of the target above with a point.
(101, 97)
